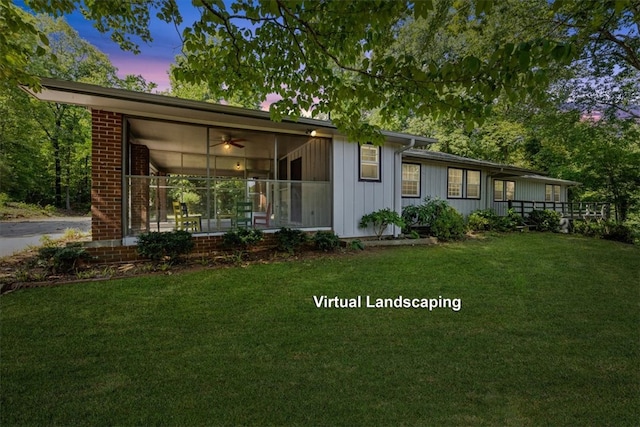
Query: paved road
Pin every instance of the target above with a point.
(17, 235)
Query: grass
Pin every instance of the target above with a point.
(548, 334)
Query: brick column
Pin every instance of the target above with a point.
(106, 175)
(139, 189)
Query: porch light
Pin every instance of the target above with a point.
(312, 132)
(238, 166)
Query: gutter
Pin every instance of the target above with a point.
(397, 183)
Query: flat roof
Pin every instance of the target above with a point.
(171, 108)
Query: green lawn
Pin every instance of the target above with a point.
(548, 334)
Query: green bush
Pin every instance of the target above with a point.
(171, 245)
(356, 245)
(545, 220)
(589, 228)
(619, 233)
(326, 241)
(482, 220)
(380, 220)
(63, 259)
(488, 220)
(423, 215)
(4, 199)
(289, 240)
(243, 237)
(440, 219)
(448, 225)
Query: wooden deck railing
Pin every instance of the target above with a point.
(571, 210)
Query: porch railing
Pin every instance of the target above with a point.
(571, 210)
(295, 204)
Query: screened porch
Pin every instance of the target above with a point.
(208, 179)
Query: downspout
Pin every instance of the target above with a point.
(397, 184)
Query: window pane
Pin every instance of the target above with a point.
(556, 193)
(473, 184)
(510, 190)
(369, 171)
(369, 162)
(454, 184)
(410, 180)
(498, 190)
(548, 193)
(369, 154)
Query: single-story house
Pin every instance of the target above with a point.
(152, 152)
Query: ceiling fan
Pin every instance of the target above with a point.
(228, 141)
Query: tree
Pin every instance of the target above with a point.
(331, 56)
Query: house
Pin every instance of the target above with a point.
(471, 184)
(151, 151)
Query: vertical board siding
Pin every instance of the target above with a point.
(434, 184)
(354, 198)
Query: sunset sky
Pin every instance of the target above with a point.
(153, 61)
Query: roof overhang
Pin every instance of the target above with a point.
(169, 108)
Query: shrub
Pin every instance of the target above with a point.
(589, 228)
(289, 240)
(440, 219)
(171, 245)
(243, 237)
(326, 241)
(4, 199)
(619, 233)
(380, 220)
(63, 259)
(423, 215)
(545, 220)
(448, 225)
(356, 245)
(482, 220)
(488, 220)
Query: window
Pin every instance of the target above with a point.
(410, 180)
(473, 184)
(551, 193)
(503, 190)
(454, 184)
(459, 179)
(369, 162)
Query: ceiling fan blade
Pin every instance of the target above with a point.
(235, 144)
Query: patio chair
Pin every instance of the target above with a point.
(184, 221)
(263, 218)
(244, 213)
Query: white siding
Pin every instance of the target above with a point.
(353, 198)
(434, 184)
(530, 190)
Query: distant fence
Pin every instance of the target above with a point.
(571, 210)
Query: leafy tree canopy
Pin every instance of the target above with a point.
(331, 56)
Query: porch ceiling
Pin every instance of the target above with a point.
(176, 147)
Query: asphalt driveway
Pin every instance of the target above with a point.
(17, 235)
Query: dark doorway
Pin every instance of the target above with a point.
(296, 190)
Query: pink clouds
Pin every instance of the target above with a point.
(152, 68)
